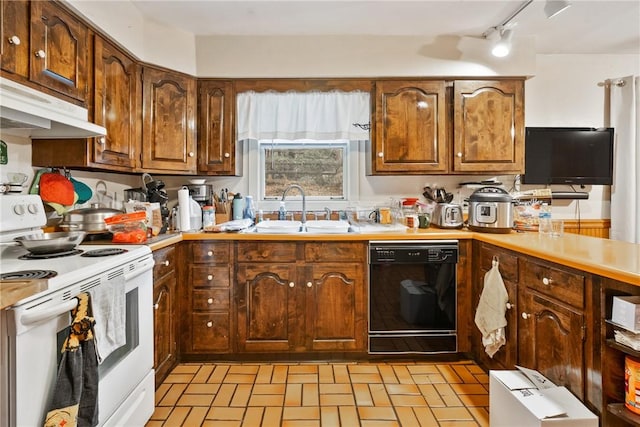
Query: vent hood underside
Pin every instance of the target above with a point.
(30, 113)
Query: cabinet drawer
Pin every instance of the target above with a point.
(267, 252)
(210, 252)
(210, 332)
(562, 285)
(508, 263)
(165, 262)
(210, 299)
(207, 277)
(335, 252)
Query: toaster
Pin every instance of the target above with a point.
(447, 215)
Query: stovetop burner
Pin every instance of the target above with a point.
(104, 252)
(48, 256)
(28, 274)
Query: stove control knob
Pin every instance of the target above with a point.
(18, 209)
(32, 208)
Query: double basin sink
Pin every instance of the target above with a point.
(295, 227)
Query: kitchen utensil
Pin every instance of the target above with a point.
(491, 210)
(89, 220)
(56, 188)
(101, 194)
(84, 192)
(447, 215)
(137, 194)
(50, 243)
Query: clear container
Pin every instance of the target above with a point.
(208, 218)
(544, 220)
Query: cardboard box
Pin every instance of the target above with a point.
(626, 312)
(525, 398)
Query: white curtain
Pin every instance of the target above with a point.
(625, 118)
(303, 115)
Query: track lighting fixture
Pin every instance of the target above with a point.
(554, 7)
(503, 45)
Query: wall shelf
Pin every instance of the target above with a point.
(621, 411)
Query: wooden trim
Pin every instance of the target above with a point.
(588, 227)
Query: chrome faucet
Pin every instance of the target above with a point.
(304, 199)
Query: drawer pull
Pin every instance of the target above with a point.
(210, 277)
(210, 253)
(165, 263)
(210, 301)
(209, 324)
(309, 284)
(14, 40)
(525, 315)
(291, 284)
(509, 306)
(547, 281)
(40, 54)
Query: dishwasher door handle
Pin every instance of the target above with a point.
(38, 316)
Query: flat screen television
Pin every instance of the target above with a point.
(555, 155)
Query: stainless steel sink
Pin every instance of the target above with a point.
(295, 227)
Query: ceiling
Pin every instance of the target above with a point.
(587, 27)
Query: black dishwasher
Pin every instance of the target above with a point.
(412, 297)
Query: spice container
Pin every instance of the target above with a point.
(208, 218)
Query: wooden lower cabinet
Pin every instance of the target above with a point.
(165, 312)
(312, 299)
(206, 299)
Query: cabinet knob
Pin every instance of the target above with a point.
(381, 154)
(547, 281)
(15, 40)
(210, 253)
(102, 140)
(191, 154)
(40, 54)
(525, 315)
(459, 154)
(309, 284)
(209, 324)
(210, 301)
(210, 277)
(227, 155)
(291, 284)
(509, 306)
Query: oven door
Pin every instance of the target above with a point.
(34, 334)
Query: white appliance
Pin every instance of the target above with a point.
(30, 113)
(32, 330)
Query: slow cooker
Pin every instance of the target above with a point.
(491, 210)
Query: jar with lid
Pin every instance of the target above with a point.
(208, 218)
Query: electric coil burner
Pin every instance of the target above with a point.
(53, 255)
(28, 275)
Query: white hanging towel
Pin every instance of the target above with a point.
(490, 314)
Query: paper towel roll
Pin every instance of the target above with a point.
(183, 208)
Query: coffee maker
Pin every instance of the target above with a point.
(201, 193)
(157, 194)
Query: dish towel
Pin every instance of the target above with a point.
(75, 395)
(490, 314)
(108, 303)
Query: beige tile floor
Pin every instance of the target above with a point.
(404, 394)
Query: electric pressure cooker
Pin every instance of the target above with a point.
(491, 210)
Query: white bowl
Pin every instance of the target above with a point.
(197, 181)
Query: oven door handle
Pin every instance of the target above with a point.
(48, 313)
(141, 268)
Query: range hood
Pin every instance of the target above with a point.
(30, 113)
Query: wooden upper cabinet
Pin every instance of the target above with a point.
(14, 33)
(410, 128)
(488, 126)
(218, 152)
(117, 101)
(169, 108)
(59, 50)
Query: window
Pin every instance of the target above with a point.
(320, 167)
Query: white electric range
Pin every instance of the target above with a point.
(32, 329)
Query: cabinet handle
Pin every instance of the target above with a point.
(509, 306)
(191, 154)
(547, 281)
(381, 154)
(210, 253)
(291, 284)
(227, 155)
(156, 305)
(165, 263)
(102, 141)
(40, 53)
(210, 277)
(209, 324)
(309, 284)
(15, 40)
(525, 315)
(210, 301)
(459, 154)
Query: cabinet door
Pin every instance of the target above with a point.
(14, 33)
(410, 128)
(489, 126)
(551, 340)
(116, 107)
(165, 310)
(268, 318)
(169, 108)
(335, 307)
(217, 148)
(59, 49)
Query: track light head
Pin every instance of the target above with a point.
(554, 7)
(503, 46)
